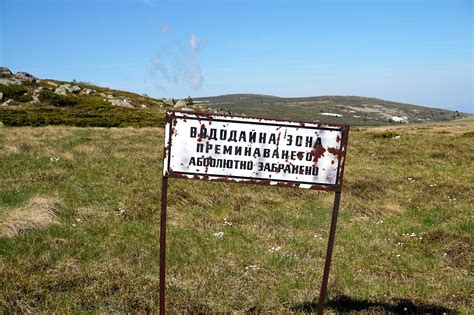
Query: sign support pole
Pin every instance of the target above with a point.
(327, 264)
(164, 200)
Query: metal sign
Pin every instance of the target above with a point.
(242, 149)
(253, 150)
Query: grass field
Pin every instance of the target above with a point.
(79, 227)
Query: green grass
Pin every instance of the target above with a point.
(404, 231)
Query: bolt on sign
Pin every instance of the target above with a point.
(254, 150)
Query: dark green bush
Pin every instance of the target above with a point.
(24, 98)
(385, 135)
(47, 96)
(14, 92)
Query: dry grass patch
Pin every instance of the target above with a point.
(131, 133)
(39, 213)
(35, 134)
(88, 149)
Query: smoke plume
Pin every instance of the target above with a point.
(177, 64)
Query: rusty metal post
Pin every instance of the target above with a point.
(164, 201)
(327, 264)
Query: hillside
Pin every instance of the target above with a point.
(352, 110)
(29, 101)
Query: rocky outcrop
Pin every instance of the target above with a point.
(25, 76)
(120, 102)
(88, 91)
(52, 84)
(67, 89)
(169, 101)
(8, 78)
(180, 103)
(5, 72)
(41, 92)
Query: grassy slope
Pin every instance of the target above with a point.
(79, 110)
(104, 254)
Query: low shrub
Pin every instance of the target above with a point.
(14, 92)
(385, 135)
(51, 98)
(24, 98)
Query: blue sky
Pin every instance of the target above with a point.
(413, 51)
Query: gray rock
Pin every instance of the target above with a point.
(25, 76)
(10, 81)
(74, 89)
(6, 103)
(143, 105)
(1, 96)
(67, 89)
(88, 91)
(62, 90)
(5, 72)
(122, 103)
(181, 103)
(169, 101)
(102, 94)
(52, 83)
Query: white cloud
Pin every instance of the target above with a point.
(177, 64)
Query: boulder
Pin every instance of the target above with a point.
(1, 96)
(122, 103)
(10, 81)
(169, 101)
(5, 72)
(143, 105)
(88, 91)
(67, 89)
(52, 83)
(36, 94)
(74, 89)
(181, 103)
(61, 90)
(6, 103)
(25, 76)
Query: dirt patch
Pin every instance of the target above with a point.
(39, 213)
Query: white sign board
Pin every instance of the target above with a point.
(244, 149)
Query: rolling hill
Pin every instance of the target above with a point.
(353, 110)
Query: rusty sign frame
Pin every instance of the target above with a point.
(171, 120)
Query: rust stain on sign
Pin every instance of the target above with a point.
(254, 150)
